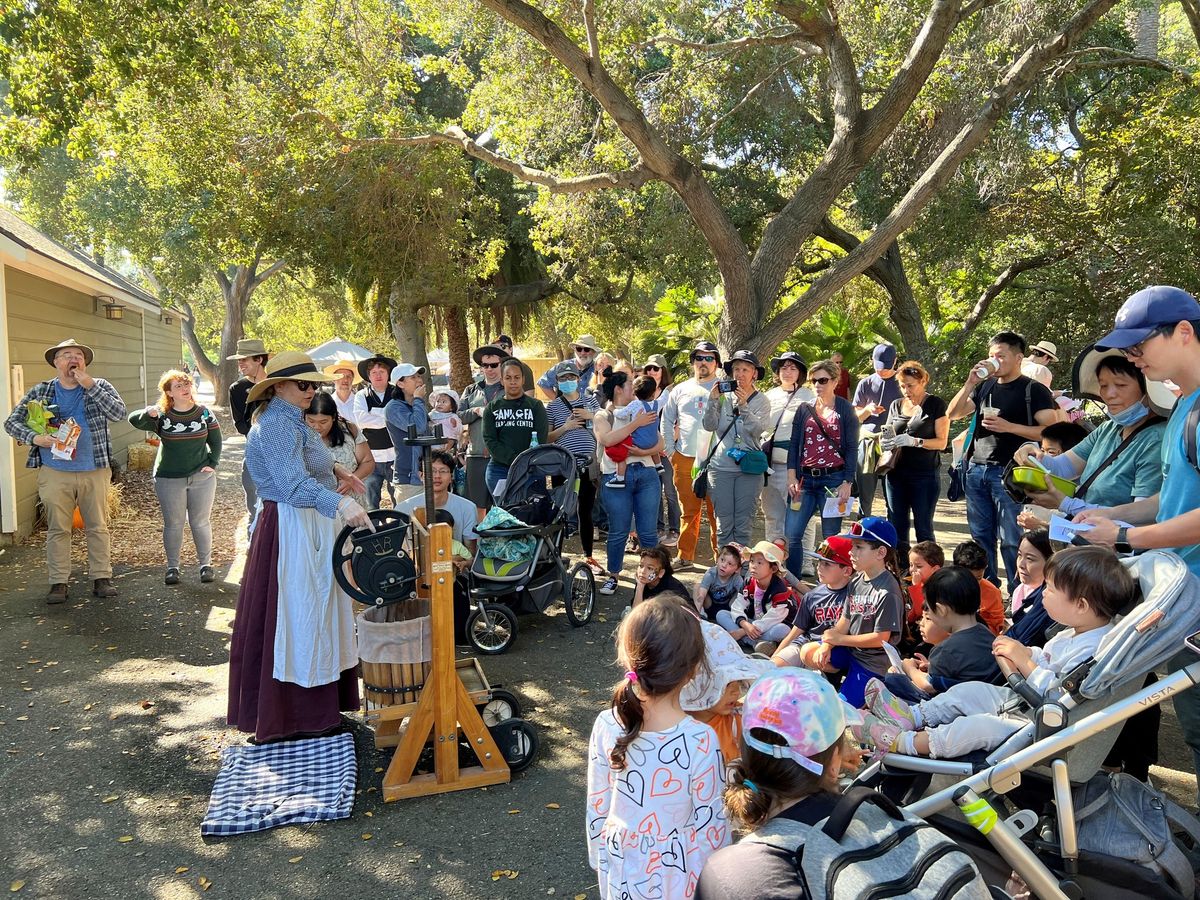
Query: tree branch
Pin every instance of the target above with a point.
(278, 266)
(1115, 59)
(794, 36)
(975, 6)
(753, 92)
(1018, 79)
(1191, 9)
(1002, 281)
(589, 26)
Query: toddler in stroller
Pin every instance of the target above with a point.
(520, 566)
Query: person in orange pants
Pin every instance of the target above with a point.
(684, 438)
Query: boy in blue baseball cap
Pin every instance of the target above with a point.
(874, 612)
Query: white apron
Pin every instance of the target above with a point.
(314, 629)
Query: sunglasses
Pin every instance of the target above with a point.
(1039, 353)
(305, 385)
(701, 358)
(579, 349)
(489, 365)
(824, 379)
(858, 530)
(911, 372)
(1136, 351)
(651, 368)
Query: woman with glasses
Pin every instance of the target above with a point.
(790, 371)
(668, 512)
(293, 658)
(916, 431)
(185, 477)
(822, 459)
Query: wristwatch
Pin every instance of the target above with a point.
(1122, 544)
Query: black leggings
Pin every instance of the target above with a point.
(587, 499)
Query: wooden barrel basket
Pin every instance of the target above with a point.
(395, 650)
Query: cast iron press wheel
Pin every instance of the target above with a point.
(374, 567)
(491, 630)
(579, 594)
(518, 743)
(503, 705)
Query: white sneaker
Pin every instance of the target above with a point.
(609, 586)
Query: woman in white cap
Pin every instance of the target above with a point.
(293, 658)
(1120, 461)
(406, 409)
(668, 514)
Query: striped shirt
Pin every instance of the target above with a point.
(577, 441)
(289, 462)
(101, 405)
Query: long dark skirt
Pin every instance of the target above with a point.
(257, 702)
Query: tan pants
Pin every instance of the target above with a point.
(690, 507)
(61, 492)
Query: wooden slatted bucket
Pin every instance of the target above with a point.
(394, 649)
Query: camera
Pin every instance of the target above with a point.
(727, 386)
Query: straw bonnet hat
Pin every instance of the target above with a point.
(340, 364)
(291, 365)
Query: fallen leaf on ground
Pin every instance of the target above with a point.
(16, 886)
(110, 798)
(204, 883)
(513, 812)
(295, 859)
(367, 836)
(125, 839)
(553, 806)
(145, 704)
(179, 870)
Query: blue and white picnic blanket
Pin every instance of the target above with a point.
(288, 783)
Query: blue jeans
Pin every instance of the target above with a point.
(493, 475)
(814, 492)
(634, 504)
(992, 514)
(911, 500)
(380, 475)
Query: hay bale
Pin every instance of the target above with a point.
(141, 456)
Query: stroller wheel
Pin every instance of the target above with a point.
(518, 743)
(503, 705)
(492, 629)
(580, 594)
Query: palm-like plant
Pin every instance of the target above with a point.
(839, 331)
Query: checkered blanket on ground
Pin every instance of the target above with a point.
(288, 783)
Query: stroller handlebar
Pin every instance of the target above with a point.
(510, 532)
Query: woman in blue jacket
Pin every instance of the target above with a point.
(821, 460)
(408, 408)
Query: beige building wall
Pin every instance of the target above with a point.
(130, 352)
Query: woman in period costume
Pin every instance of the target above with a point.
(293, 655)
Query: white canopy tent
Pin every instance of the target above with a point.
(335, 349)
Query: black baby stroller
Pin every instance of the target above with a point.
(541, 493)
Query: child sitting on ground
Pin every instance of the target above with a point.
(924, 558)
(1029, 619)
(874, 613)
(964, 654)
(1085, 588)
(721, 584)
(820, 608)
(714, 695)
(655, 576)
(643, 437)
(764, 610)
(1060, 437)
(971, 555)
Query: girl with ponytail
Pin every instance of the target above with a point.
(655, 774)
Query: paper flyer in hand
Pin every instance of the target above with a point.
(836, 508)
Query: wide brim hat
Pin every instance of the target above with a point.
(769, 550)
(792, 357)
(1046, 348)
(248, 347)
(747, 357)
(364, 366)
(338, 365)
(488, 350)
(72, 344)
(1159, 397)
(705, 347)
(725, 663)
(291, 365)
(587, 340)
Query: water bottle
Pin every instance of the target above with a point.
(533, 440)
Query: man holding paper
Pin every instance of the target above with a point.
(1158, 329)
(1009, 409)
(73, 456)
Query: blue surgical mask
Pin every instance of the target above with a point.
(568, 387)
(1130, 415)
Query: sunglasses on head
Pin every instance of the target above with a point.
(911, 372)
(704, 358)
(824, 379)
(862, 533)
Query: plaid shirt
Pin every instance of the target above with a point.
(101, 405)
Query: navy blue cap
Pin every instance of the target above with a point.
(705, 347)
(1146, 310)
(884, 357)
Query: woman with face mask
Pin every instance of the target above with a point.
(1120, 461)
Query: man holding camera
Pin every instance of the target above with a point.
(73, 457)
(684, 438)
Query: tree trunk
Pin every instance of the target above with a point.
(409, 330)
(905, 313)
(459, 345)
(207, 367)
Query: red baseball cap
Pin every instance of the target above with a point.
(836, 549)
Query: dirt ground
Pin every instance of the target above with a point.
(112, 722)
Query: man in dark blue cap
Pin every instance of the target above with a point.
(1158, 330)
(872, 398)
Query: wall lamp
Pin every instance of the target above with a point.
(113, 308)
